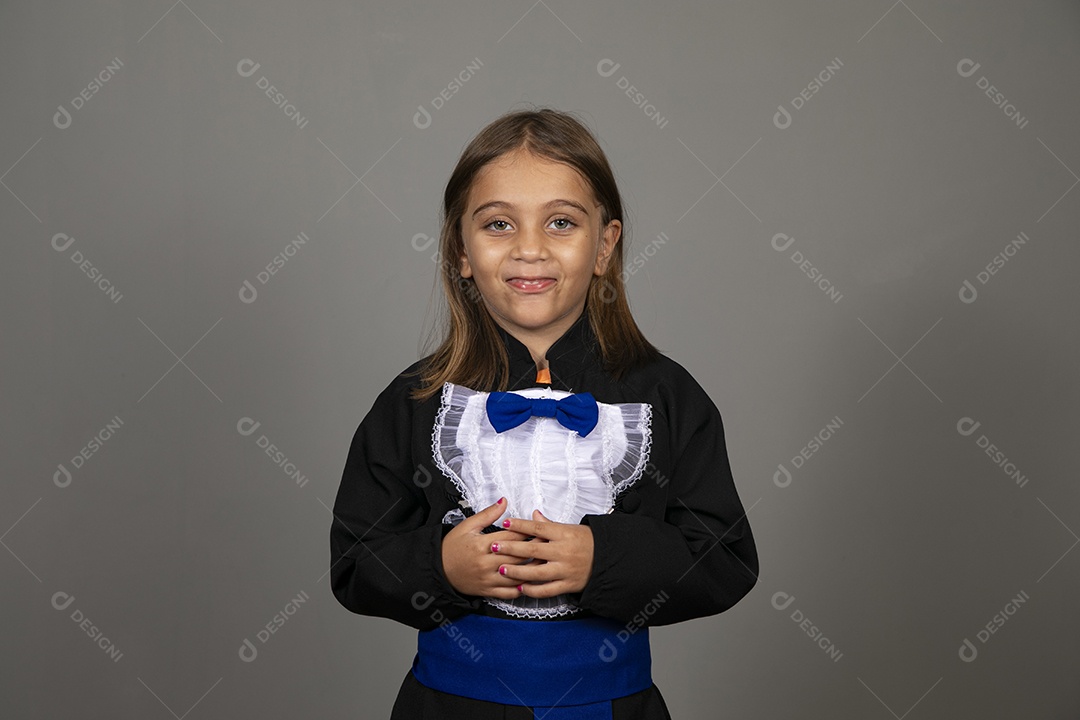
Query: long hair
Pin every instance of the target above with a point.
(472, 353)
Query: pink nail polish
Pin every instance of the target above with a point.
(494, 547)
(506, 523)
(502, 569)
(521, 589)
(499, 501)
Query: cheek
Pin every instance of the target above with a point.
(487, 273)
(581, 262)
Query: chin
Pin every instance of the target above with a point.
(532, 320)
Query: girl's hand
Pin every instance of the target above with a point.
(564, 553)
(469, 563)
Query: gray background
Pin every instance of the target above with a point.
(179, 538)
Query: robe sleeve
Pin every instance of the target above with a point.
(385, 549)
(700, 559)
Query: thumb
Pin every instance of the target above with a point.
(488, 515)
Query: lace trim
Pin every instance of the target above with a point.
(563, 607)
(453, 516)
(461, 424)
(638, 421)
(436, 445)
(538, 464)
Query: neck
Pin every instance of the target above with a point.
(538, 343)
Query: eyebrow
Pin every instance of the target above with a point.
(554, 203)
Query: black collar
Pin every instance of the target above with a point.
(568, 357)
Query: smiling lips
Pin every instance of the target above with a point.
(531, 285)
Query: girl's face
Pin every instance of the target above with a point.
(533, 241)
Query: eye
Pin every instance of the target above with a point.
(493, 222)
(569, 223)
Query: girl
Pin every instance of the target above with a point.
(545, 486)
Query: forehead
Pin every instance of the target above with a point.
(520, 177)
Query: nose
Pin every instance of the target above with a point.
(531, 242)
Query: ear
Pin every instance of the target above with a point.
(466, 268)
(612, 233)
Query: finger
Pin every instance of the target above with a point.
(504, 535)
(547, 589)
(536, 572)
(508, 572)
(506, 575)
(523, 549)
(478, 521)
(546, 530)
(506, 593)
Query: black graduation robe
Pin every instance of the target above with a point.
(660, 540)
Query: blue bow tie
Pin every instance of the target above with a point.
(577, 412)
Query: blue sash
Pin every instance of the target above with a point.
(564, 669)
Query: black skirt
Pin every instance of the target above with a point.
(416, 701)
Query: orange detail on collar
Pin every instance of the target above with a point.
(543, 376)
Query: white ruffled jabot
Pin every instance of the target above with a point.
(538, 465)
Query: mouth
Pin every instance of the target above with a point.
(530, 284)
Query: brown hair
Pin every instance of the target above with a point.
(472, 352)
